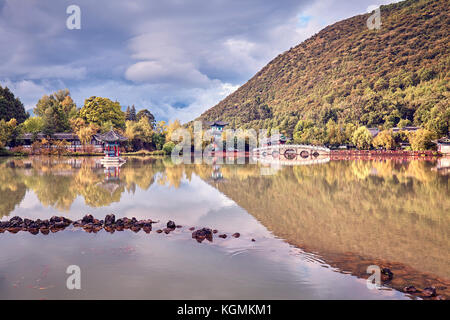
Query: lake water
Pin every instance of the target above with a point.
(316, 229)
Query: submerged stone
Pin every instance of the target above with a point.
(171, 224)
(202, 234)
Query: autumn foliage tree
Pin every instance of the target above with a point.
(100, 110)
(384, 140)
(362, 138)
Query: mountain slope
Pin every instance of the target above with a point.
(349, 73)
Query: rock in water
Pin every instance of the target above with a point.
(87, 219)
(236, 235)
(429, 292)
(110, 219)
(410, 289)
(171, 225)
(386, 274)
(202, 234)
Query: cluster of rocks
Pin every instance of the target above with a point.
(171, 226)
(110, 224)
(426, 293)
(16, 224)
(430, 292)
(206, 233)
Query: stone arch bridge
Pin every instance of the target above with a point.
(291, 152)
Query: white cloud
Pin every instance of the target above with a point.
(166, 72)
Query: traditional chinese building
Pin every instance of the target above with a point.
(74, 143)
(111, 143)
(443, 145)
(274, 140)
(216, 130)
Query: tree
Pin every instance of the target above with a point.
(439, 118)
(56, 111)
(133, 113)
(403, 123)
(161, 127)
(140, 134)
(11, 107)
(85, 134)
(61, 146)
(100, 110)
(7, 130)
(421, 139)
(168, 147)
(33, 125)
(55, 120)
(61, 98)
(127, 114)
(384, 140)
(335, 134)
(145, 113)
(171, 127)
(362, 138)
(76, 124)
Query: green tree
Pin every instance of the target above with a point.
(384, 140)
(11, 107)
(55, 119)
(127, 114)
(56, 110)
(33, 125)
(421, 139)
(404, 123)
(168, 147)
(335, 135)
(133, 113)
(7, 131)
(61, 98)
(100, 110)
(140, 134)
(362, 138)
(147, 114)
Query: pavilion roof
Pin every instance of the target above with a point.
(110, 136)
(217, 123)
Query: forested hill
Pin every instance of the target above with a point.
(350, 74)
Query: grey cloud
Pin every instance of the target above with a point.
(153, 53)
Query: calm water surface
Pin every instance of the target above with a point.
(316, 227)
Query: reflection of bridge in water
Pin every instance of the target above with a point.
(295, 154)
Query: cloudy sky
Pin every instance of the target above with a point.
(175, 57)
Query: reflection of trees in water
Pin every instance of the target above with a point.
(374, 209)
(58, 181)
(380, 210)
(12, 190)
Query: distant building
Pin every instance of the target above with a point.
(27, 140)
(408, 128)
(443, 145)
(217, 126)
(216, 130)
(375, 131)
(111, 140)
(274, 140)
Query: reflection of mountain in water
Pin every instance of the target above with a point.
(372, 210)
(352, 213)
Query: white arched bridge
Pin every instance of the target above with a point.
(291, 152)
